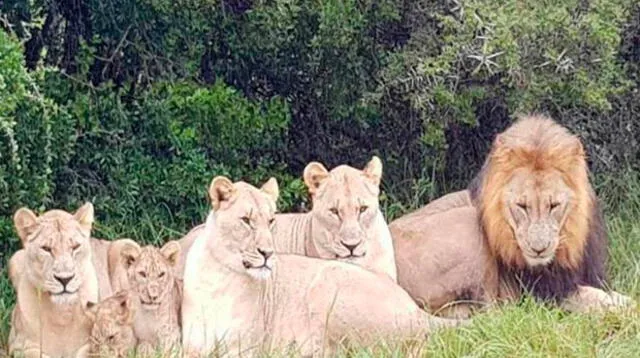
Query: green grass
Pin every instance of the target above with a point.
(516, 330)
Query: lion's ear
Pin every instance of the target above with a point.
(84, 216)
(498, 141)
(25, 222)
(171, 251)
(373, 170)
(90, 310)
(578, 148)
(129, 252)
(221, 192)
(271, 189)
(314, 174)
(126, 307)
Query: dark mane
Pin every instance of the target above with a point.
(554, 283)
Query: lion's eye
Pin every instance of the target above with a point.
(335, 212)
(111, 338)
(272, 221)
(46, 249)
(142, 274)
(75, 247)
(553, 206)
(363, 208)
(161, 275)
(522, 206)
(246, 220)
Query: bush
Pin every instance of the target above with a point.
(147, 160)
(470, 67)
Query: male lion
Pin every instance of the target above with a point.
(530, 222)
(149, 273)
(238, 293)
(54, 278)
(112, 325)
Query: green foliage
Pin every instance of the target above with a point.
(136, 104)
(150, 158)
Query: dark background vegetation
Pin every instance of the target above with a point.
(136, 104)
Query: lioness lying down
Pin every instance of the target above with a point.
(53, 277)
(239, 294)
(345, 222)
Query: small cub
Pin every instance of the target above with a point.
(112, 331)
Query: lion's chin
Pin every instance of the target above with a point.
(260, 273)
(64, 298)
(150, 306)
(538, 261)
(351, 259)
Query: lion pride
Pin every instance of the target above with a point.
(241, 294)
(530, 222)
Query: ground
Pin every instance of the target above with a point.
(518, 330)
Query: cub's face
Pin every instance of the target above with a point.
(536, 206)
(345, 208)
(57, 250)
(112, 332)
(245, 218)
(150, 271)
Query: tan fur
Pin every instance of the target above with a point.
(321, 232)
(185, 244)
(535, 207)
(49, 318)
(149, 273)
(335, 219)
(112, 325)
(241, 296)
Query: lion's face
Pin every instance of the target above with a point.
(112, 325)
(150, 271)
(345, 206)
(57, 250)
(245, 218)
(536, 206)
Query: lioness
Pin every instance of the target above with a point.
(237, 292)
(112, 325)
(529, 223)
(150, 274)
(99, 257)
(344, 224)
(56, 278)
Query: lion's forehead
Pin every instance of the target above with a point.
(348, 186)
(537, 183)
(254, 203)
(58, 233)
(151, 261)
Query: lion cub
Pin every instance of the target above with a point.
(239, 293)
(156, 291)
(112, 332)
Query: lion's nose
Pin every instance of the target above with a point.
(266, 253)
(350, 247)
(539, 250)
(64, 280)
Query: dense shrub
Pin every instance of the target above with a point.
(145, 164)
(136, 104)
(470, 66)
